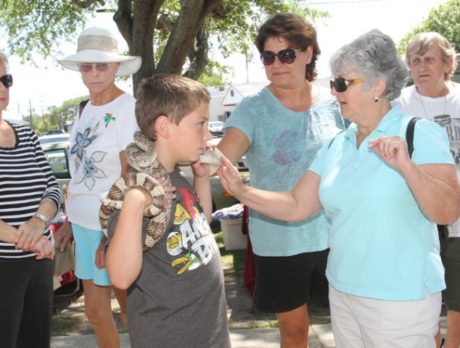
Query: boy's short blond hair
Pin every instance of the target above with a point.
(168, 95)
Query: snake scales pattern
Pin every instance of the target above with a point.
(142, 157)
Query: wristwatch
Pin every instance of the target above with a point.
(42, 218)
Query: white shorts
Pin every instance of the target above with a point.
(359, 322)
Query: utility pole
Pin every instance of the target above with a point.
(248, 56)
(30, 113)
(247, 67)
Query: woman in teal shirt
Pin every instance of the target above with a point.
(280, 129)
(384, 268)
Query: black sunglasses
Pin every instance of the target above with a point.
(340, 84)
(7, 80)
(286, 56)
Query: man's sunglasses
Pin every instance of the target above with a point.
(7, 80)
(340, 84)
(286, 56)
(88, 67)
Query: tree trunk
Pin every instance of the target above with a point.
(136, 21)
(182, 37)
(198, 55)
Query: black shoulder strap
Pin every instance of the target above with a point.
(442, 229)
(410, 135)
(82, 106)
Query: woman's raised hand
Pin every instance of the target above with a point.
(230, 177)
(392, 150)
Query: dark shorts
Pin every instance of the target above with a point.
(285, 283)
(451, 261)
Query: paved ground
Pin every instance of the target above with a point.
(244, 325)
(248, 328)
(241, 338)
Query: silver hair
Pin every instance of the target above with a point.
(372, 56)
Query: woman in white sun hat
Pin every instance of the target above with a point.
(100, 134)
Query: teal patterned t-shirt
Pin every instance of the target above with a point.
(283, 143)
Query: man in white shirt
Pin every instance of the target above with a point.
(431, 59)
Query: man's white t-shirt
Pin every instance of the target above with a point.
(97, 138)
(443, 110)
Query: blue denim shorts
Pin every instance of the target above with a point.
(86, 244)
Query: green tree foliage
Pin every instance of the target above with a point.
(57, 117)
(444, 20)
(171, 36)
(213, 74)
(36, 26)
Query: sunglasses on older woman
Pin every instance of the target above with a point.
(88, 67)
(341, 85)
(286, 56)
(7, 80)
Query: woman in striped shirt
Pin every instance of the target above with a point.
(29, 199)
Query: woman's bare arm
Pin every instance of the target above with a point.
(301, 203)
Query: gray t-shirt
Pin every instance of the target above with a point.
(179, 298)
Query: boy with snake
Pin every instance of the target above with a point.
(164, 253)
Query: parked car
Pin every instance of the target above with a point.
(55, 131)
(56, 148)
(53, 138)
(216, 128)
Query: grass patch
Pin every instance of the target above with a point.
(122, 330)
(232, 260)
(63, 325)
(319, 320)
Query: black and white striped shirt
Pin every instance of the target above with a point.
(25, 179)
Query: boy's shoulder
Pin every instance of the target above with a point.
(182, 179)
(183, 174)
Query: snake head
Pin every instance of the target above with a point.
(141, 152)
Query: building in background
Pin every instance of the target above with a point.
(225, 99)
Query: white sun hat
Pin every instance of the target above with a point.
(99, 45)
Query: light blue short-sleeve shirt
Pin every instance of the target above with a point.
(283, 144)
(381, 244)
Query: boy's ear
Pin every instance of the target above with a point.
(162, 125)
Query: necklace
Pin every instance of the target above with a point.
(424, 108)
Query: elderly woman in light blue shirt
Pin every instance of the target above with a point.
(384, 268)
